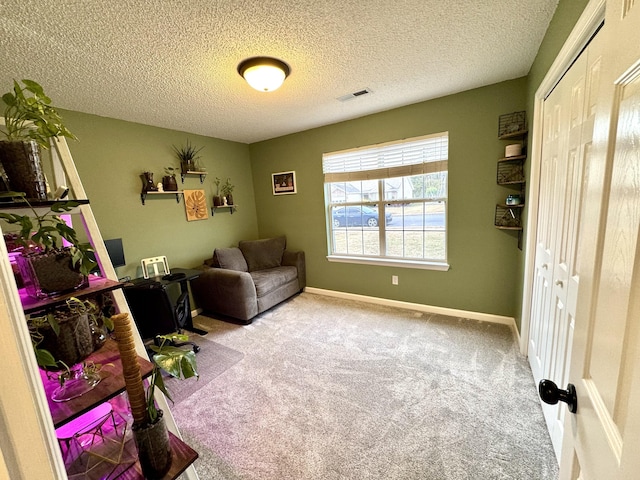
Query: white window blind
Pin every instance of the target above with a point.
(415, 156)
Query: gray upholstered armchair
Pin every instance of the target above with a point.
(241, 282)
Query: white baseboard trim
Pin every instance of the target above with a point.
(483, 317)
(452, 312)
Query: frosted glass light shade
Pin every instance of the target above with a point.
(265, 74)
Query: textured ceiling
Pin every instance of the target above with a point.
(172, 63)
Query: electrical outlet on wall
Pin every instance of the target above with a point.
(394, 279)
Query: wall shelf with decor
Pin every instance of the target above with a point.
(510, 172)
(508, 217)
(188, 173)
(232, 208)
(177, 193)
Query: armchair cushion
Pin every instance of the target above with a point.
(263, 254)
(230, 259)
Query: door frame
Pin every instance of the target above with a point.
(588, 23)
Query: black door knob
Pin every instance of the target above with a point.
(551, 394)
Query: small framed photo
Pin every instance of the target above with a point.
(284, 183)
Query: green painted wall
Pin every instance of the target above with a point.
(110, 156)
(486, 266)
(484, 261)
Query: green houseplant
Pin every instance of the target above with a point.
(64, 337)
(47, 267)
(30, 123)
(227, 191)
(217, 198)
(149, 427)
(188, 157)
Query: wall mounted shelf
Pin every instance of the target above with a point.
(202, 175)
(177, 193)
(232, 208)
(510, 173)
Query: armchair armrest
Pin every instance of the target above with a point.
(227, 292)
(296, 259)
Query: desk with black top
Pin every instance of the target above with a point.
(144, 306)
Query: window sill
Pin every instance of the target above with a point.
(388, 262)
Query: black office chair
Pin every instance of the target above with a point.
(155, 312)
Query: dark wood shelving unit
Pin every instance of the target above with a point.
(38, 429)
(111, 384)
(96, 285)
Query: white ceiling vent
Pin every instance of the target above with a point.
(351, 96)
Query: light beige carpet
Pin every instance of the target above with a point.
(336, 389)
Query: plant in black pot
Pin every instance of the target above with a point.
(149, 427)
(46, 266)
(169, 183)
(30, 123)
(188, 157)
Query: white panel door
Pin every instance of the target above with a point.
(567, 132)
(602, 439)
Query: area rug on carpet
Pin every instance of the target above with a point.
(335, 389)
(212, 360)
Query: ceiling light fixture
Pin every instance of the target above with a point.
(265, 74)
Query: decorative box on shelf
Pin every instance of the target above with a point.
(512, 125)
(511, 170)
(508, 217)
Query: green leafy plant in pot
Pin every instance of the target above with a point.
(188, 157)
(30, 123)
(217, 198)
(48, 268)
(64, 337)
(227, 191)
(149, 427)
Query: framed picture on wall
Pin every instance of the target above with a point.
(284, 183)
(195, 204)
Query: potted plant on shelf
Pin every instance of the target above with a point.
(30, 124)
(64, 337)
(169, 183)
(217, 198)
(46, 266)
(149, 427)
(188, 157)
(227, 191)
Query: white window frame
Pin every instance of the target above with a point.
(402, 158)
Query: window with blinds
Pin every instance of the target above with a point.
(388, 202)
